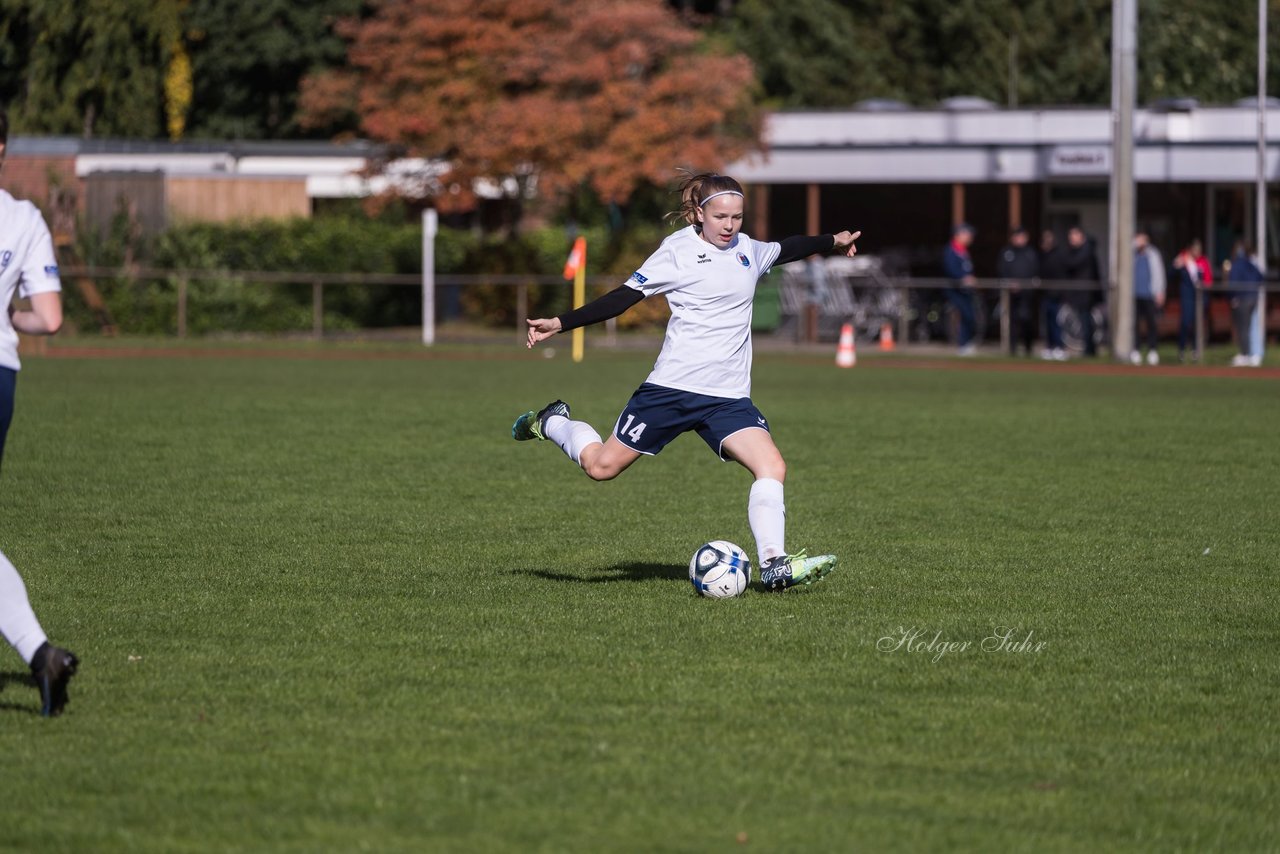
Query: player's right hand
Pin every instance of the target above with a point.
(541, 329)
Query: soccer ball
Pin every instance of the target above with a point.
(719, 569)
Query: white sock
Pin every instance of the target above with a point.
(570, 436)
(768, 517)
(18, 622)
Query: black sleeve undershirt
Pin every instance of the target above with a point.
(610, 305)
(623, 297)
(801, 246)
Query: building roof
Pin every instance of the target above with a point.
(883, 143)
(1188, 144)
(70, 145)
(331, 170)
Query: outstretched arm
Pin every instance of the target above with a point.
(800, 246)
(844, 243)
(610, 305)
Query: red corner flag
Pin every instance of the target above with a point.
(577, 258)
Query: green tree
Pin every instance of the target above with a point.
(836, 62)
(1032, 53)
(248, 57)
(1204, 49)
(831, 53)
(87, 67)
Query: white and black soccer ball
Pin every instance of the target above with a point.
(719, 570)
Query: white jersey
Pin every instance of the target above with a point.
(27, 266)
(708, 345)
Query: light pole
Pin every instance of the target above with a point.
(430, 225)
(1124, 64)
(1260, 193)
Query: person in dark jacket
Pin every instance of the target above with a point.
(1243, 279)
(1019, 268)
(1195, 277)
(1081, 266)
(958, 267)
(1052, 270)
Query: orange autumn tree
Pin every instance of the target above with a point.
(540, 96)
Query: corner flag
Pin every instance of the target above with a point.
(576, 269)
(577, 259)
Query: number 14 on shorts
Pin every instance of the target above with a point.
(634, 433)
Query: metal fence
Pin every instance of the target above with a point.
(818, 300)
(810, 307)
(183, 281)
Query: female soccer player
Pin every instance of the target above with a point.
(702, 379)
(26, 261)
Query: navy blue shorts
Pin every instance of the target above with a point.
(656, 414)
(8, 380)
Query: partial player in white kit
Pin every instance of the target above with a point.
(29, 268)
(702, 379)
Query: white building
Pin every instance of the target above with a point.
(904, 176)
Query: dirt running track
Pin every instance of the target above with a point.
(1098, 368)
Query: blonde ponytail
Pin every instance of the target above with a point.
(696, 189)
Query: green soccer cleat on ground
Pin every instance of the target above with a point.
(529, 426)
(786, 571)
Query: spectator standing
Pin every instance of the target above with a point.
(958, 267)
(1053, 269)
(1081, 265)
(1148, 295)
(1019, 268)
(1194, 278)
(1243, 277)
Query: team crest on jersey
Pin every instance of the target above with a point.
(639, 278)
(742, 259)
(5, 257)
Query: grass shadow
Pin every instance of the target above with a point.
(633, 571)
(23, 679)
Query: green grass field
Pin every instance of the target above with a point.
(330, 605)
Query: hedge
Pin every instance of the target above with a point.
(347, 244)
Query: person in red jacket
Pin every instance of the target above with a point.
(1195, 277)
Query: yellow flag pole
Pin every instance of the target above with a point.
(580, 297)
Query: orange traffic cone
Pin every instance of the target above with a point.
(846, 354)
(886, 337)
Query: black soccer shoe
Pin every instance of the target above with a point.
(53, 668)
(531, 424)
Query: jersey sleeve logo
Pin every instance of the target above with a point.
(639, 278)
(743, 260)
(5, 257)
(51, 271)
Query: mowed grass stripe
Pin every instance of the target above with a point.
(361, 616)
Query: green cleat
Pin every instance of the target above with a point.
(529, 426)
(786, 571)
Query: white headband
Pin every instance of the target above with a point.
(703, 203)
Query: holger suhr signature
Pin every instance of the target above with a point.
(1003, 639)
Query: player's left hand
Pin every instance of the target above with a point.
(844, 243)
